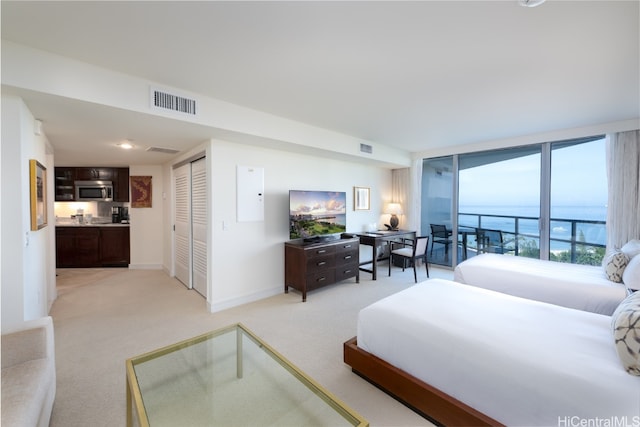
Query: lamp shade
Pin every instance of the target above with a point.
(394, 209)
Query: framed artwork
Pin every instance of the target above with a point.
(361, 198)
(38, 189)
(141, 191)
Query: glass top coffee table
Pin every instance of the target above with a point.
(228, 377)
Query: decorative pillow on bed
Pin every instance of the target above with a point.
(614, 265)
(631, 275)
(625, 322)
(631, 248)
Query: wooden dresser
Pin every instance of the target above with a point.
(309, 266)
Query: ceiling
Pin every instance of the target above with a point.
(415, 75)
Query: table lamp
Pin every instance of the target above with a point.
(394, 209)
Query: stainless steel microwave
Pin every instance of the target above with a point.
(94, 191)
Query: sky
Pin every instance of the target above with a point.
(578, 178)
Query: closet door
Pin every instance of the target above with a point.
(199, 225)
(182, 225)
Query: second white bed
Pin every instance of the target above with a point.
(583, 287)
(521, 362)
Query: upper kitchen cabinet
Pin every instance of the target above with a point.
(121, 184)
(65, 181)
(66, 177)
(92, 174)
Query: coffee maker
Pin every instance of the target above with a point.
(119, 214)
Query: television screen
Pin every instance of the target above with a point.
(317, 213)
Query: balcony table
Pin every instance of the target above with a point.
(465, 232)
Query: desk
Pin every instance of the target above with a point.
(376, 238)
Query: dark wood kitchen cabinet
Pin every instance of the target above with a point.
(93, 174)
(65, 247)
(121, 184)
(64, 184)
(77, 247)
(89, 246)
(114, 246)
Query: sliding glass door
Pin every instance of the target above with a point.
(578, 201)
(437, 208)
(543, 201)
(499, 201)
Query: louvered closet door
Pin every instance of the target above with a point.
(182, 215)
(199, 225)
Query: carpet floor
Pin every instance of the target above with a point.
(104, 316)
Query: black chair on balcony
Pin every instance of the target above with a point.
(411, 251)
(440, 234)
(492, 241)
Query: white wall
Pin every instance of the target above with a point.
(247, 260)
(147, 223)
(28, 279)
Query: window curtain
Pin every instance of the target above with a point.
(400, 193)
(623, 174)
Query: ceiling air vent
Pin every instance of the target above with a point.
(365, 148)
(162, 150)
(167, 101)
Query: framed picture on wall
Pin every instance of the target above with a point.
(141, 191)
(38, 189)
(361, 198)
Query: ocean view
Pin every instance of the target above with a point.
(593, 233)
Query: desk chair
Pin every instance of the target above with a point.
(492, 241)
(418, 250)
(440, 234)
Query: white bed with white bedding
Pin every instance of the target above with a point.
(519, 361)
(582, 287)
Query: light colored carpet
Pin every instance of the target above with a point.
(104, 316)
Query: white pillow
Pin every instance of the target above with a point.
(631, 274)
(625, 324)
(631, 248)
(614, 265)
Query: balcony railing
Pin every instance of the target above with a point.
(571, 240)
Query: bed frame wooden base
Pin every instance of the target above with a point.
(426, 400)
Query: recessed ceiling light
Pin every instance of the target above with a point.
(126, 145)
(531, 3)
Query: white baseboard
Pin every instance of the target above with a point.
(245, 299)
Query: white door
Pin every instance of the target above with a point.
(182, 225)
(199, 225)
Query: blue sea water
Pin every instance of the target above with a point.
(561, 226)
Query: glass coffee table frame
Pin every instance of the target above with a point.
(319, 399)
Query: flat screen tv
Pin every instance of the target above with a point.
(317, 215)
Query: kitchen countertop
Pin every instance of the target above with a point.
(69, 224)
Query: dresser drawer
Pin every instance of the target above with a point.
(320, 252)
(348, 246)
(346, 271)
(347, 257)
(321, 278)
(320, 263)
